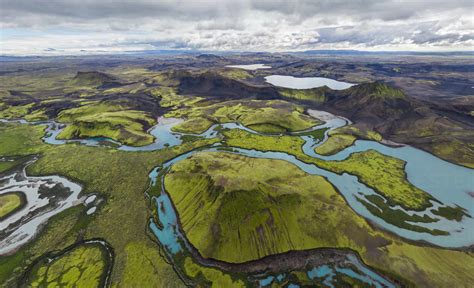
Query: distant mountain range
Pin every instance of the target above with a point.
(220, 53)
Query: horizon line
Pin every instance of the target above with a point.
(198, 51)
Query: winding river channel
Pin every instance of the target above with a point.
(45, 197)
(449, 183)
(169, 234)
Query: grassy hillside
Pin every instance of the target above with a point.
(258, 207)
(236, 209)
(316, 95)
(375, 90)
(93, 79)
(390, 181)
(83, 266)
(335, 143)
(106, 120)
(264, 116)
(121, 219)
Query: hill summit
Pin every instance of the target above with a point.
(94, 79)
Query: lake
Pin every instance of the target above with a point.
(250, 66)
(306, 82)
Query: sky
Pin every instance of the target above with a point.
(70, 27)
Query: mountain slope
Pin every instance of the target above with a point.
(94, 79)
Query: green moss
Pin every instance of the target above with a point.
(398, 217)
(236, 74)
(58, 233)
(267, 128)
(454, 150)
(11, 162)
(101, 120)
(83, 266)
(91, 79)
(428, 266)
(241, 138)
(123, 179)
(130, 89)
(236, 208)
(37, 115)
(171, 99)
(383, 173)
(214, 277)
(240, 203)
(193, 125)
(335, 143)
(143, 267)
(11, 265)
(7, 165)
(316, 95)
(386, 175)
(283, 118)
(358, 131)
(265, 116)
(451, 213)
(16, 112)
(378, 90)
(11, 202)
(317, 135)
(19, 139)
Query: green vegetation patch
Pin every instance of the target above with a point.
(210, 191)
(317, 134)
(281, 143)
(379, 208)
(344, 137)
(385, 174)
(8, 163)
(315, 95)
(145, 267)
(106, 120)
(235, 73)
(10, 203)
(193, 126)
(264, 116)
(451, 213)
(211, 276)
(334, 144)
(16, 112)
(82, 266)
(20, 139)
(274, 113)
(123, 179)
(236, 208)
(378, 90)
(91, 79)
(455, 151)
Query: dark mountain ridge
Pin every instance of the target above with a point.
(377, 106)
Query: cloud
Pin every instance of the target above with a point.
(69, 26)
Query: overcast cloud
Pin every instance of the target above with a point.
(86, 26)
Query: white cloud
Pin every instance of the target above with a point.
(114, 26)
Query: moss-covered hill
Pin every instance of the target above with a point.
(235, 208)
(94, 79)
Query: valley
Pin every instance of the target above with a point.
(198, 171)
